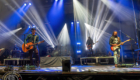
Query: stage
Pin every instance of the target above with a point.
(69, 39)
(105, 69)
(77, 72)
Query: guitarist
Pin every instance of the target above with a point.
(89, 44)
(115, 40)
(35, 39)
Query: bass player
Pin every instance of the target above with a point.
(114, 41)
(89, 44)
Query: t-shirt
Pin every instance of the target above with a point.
(114, 40)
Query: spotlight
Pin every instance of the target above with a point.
(56, 0)
(78, 43)
(33, 26)
(30, 3)
(20, 28)
(53, 46)
(29, 26)
(24, 4)
(77, 22)
(78, 51)
(71, 22)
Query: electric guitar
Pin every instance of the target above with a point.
(30, 46)
(90, 46)
(113, 48)
(2, 49)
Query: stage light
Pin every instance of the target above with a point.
(56, 0)
(96, 26)
(63, 37)
(33, 26)
(78, 43)
(78, 51)
(71, 22)
(30, 3)
(53, 46)
(6, 33)
(20, 28)
(24, 4)
(45, 33)
(19, 13)
(29, 26)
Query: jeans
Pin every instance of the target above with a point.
(116, 56)
(91, 52)
(37, 56)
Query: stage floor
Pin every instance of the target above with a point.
(78, 72)
(80, 69)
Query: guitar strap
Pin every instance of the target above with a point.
(35, 39)
(118, 39)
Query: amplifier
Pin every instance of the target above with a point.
(66, 65)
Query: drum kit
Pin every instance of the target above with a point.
(17, 53)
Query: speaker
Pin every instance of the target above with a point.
(66, 66)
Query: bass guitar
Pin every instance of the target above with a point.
(30, 46)
(90, 46)
(113, 48)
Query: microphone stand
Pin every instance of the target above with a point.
(127, 36)
(131, 47)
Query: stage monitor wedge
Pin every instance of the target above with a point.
(66, 65)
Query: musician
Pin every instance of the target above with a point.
(16, 47)
(35, 39)
(15, 52)
(89, 44)
(115, 40)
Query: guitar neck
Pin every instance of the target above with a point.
(37, 43)
(122, 42)
(34, 44)
(118, 45)
(95, 42)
